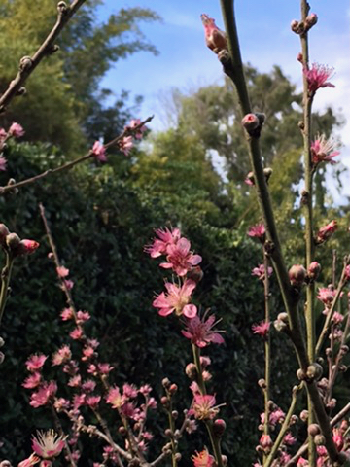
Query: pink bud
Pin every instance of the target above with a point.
(297, 274)
(325, 232)
(4, 231)
(16, 130)
(27, 247)
(250, 122)
(219, 427)
(215, 39)
(313, 270)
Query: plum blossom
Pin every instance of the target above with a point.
(61, 356)
(138, 134)
(32, 381)
(201, 333)
(47, 445)
(99, 151)
(115, 398)
(62, 271)
(215, 39)
(44, 394)
(317, 77)
(326, 295)
(35, 362)
(259, 271)
(323, 150)
(203, 407)
(180, 258)
(165, 238)
(67, 314)
(125, 144)
(257, 231)
(262, 329)
(16, 130)
(203, 459)
(177, 299)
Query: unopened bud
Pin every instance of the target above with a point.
(325, 233)
(12, 241)
(251, 123)
(173, 389)
(294, 25)
(168, 433)
(178, 457)
(204, 361)
(2, 342)
(267, 172)
(219, 427)
(300, 57)
(25, 63)
(319, 440)
(280, 326)
(304, 414)
(191, 371)
(300, 374)
(196, 274)
(310, 21)
(262, 383)
(2, 358)
(297, 274)
(4, 232)
(175, 414)
(313, 429)
(224, 460)
(165, 382)
(27, 247)
(314, 371)
(313, 270)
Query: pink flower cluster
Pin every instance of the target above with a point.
(215, 38)
(317, 77)
(15, 131)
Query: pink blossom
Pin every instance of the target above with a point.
(203, 407)
(47, 445)
(257, 231)
(16, 130)
(317, 77)
(152, 403)
(31, 460)
(79, 400)
(76, 334)
(66, 314)
(82, 316)
(326, 295)
(338, 439)
(44, 394)
(302, 462)
(195, 389)
(94, 343)
(104, 368)
(68, 283)
(262, 329)
(289, 439)
(326, 232)
(177, 300)
(128, 409)
(61, 356)
(125, 145)
(205, 361)
(88, 386)
(337, 318)
(99, 151)
(276, 416)
(36, 362)
(62, 271)
(138, 134)
(180, 258)
(3, 135)
(201, 333)
(27, 247)
(260, 271)
(115, 398)
(215, 39)
(323, 150)
(93, 401)
(165, 238)
(203, 459)
(145, 390)
(3, 162)
(32, 381)
(88, 352)
(266, 442)
(75, 381)
(129, 391)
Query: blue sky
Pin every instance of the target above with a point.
(265, 37)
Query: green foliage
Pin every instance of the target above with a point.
(64, 104)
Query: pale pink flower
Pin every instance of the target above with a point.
(61, 356)
(88, 386)
(285, 457)
(82, 316)
(3, 162)
(317, 77)
(262, 329)
(205, 361)
(125, 145)
(201, 333)
(215, 39)
(276, 416)
(289, 439)
(114, 397)
(338, 439)
(66, 314)
(203, 407)
(337, 318)
(32, 381)
(203, 459)
(94, 343)
(138, 134)
(99, 151)
(16, 130)
(195, 389)
(68, 283)
(75, 381)
(145, 390)
(31, 460)
(88, 352)
(35, 362)
(93, 401)
(177, 299)
(47, 445)
(259, 271)
(79, 400)
(76, 334)
(165, 238)
(44, 394)
(326, 295)
(129, 391)
(323, 150)
(180, 258)
(257, 231)
(62, 271)
(104, 368)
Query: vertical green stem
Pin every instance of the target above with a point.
(5, 282)
(215, 441)
(267, 350)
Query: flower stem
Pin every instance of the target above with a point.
(5, 282)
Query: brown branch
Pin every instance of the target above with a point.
(28, 64)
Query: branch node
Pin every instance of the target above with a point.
(25, 63)
(62, 8)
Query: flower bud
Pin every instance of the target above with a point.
(304, 414)
(313, 270)
(325, 233)
(27, 247)
(191, 371)
(4, 232)
(164, 401)
(313, 429)
(300, 374)
(314, 371)
(297, 274)
(219, 427)
(2, 342)
(251, 122)
(319, 440)
(267, 173)
(175, 414)
(195, 274)
(12, 241)
(173, 389)
(2, 358)
(178, 457)
(310, 21)
(165, 382)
